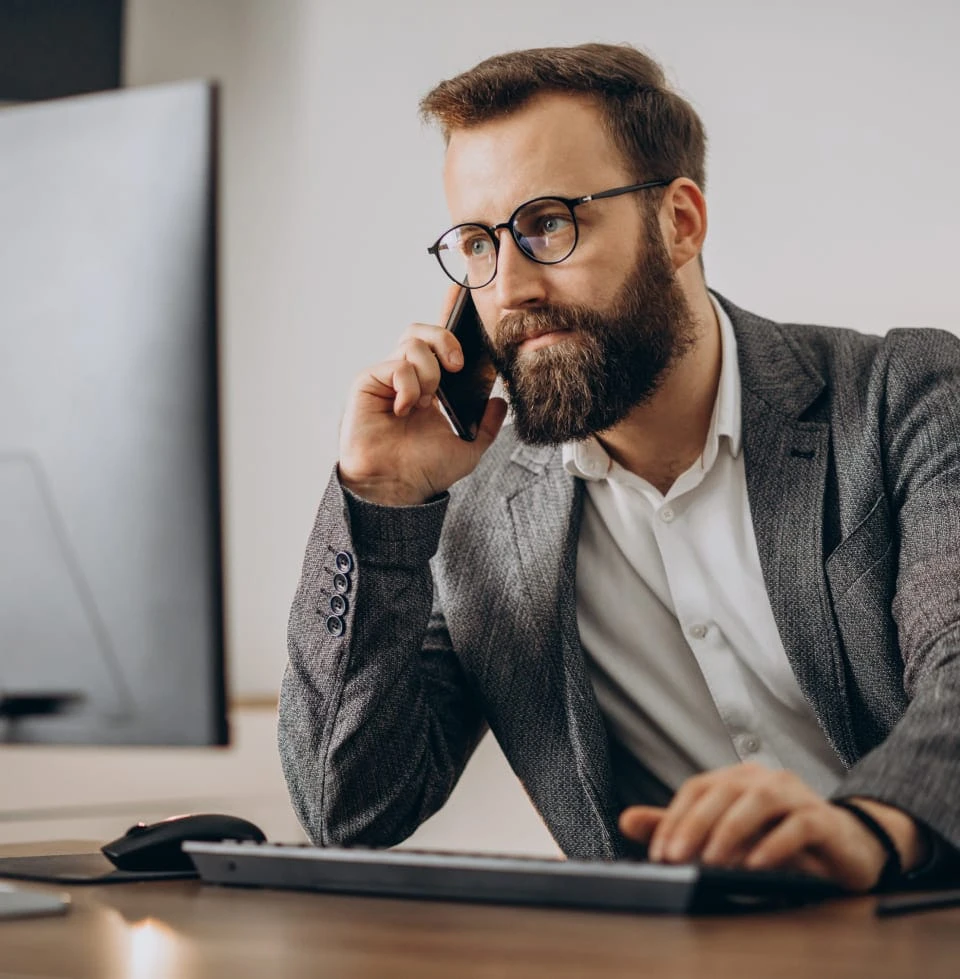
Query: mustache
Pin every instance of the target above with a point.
(514, 328)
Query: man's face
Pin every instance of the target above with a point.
(579, 344)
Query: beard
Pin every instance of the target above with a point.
(612, 360)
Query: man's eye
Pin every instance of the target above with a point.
(476, 247)
(551, 224)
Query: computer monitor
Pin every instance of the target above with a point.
(111, 621)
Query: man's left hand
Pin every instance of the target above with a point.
(758, 818)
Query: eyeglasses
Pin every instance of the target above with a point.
(545, 230)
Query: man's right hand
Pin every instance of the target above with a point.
(396, 448)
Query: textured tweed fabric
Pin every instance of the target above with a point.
(461, 614)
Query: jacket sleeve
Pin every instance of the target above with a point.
(917, 767)
(377, 720)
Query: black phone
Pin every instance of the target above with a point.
(463, 395)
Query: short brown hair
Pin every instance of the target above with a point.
(658, 132)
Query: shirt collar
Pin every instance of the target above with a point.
(587, 459)
(726, 409)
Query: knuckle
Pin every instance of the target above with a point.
(783, 778)
(765, 794)
(697, 783)
(414, 349)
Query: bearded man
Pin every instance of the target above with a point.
(703, 589)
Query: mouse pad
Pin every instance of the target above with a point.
(80, 868)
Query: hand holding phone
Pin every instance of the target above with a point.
(396, 446)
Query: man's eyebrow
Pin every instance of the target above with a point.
(473, 219)
(480, 215)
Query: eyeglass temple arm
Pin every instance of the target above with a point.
(617, 191)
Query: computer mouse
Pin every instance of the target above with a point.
(157, 846)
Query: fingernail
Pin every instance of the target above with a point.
(656, 851)
(456, 358)
(677, 850)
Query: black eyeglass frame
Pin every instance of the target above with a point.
(570, 202)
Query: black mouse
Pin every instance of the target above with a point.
(157, 846)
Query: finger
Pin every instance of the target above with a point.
(639, 822)
(751, 815)
(427, 366)
(685, 797)
(445, 346)
(785, 841)
(809, 863)
(813, 838)
(398, 376)
(689, 834)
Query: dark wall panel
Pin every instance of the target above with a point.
(51, 48)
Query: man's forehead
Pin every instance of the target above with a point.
(556, 143)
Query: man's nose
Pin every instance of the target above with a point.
(520, 281)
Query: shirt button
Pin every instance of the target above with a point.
(749, 744)
(667, 514)
(698, 631)
(334, 625)
(344, 562)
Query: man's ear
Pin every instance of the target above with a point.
(683, 221)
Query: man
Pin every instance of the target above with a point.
(703, 589)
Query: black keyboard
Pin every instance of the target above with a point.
(439, 875)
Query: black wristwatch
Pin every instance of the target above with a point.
(892, 873)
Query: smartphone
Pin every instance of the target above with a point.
(463, 395)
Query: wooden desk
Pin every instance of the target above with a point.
(184, 930)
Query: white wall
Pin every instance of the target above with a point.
(831, 188)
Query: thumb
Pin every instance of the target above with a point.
(639, 822)
(491, 423)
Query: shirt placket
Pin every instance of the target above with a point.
(704, 635)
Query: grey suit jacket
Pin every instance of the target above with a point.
(461, 613)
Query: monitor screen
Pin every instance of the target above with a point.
(111, 623)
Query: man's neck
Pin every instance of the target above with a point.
(661, 439)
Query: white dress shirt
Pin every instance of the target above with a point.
(680, 639)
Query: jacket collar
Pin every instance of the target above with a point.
(773, 364)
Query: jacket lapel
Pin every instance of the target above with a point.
(786, 457)
(545, 514)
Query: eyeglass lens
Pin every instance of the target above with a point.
(544, 229)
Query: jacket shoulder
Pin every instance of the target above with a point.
(840, 359)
